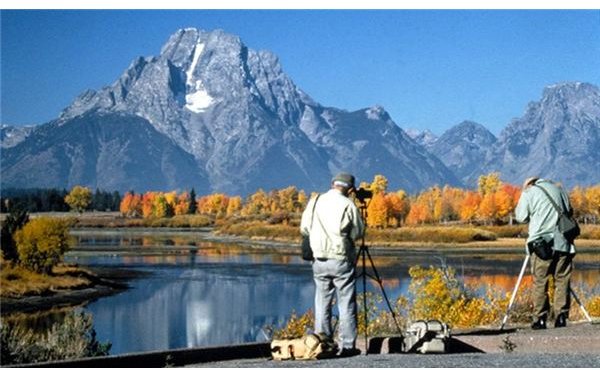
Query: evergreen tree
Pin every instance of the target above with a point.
(14, 221)
(115, 201)
(193, 205)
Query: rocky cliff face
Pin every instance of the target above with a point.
(368, 142)
(238, 120)
(557, 138)
(12, 135)
(424, 137)
(101, 150)
(463, 149)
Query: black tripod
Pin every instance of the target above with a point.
(363, 253)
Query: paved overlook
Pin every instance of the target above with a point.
(577, 345)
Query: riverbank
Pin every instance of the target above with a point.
(493, 246)
(110, 281)
(69, 285)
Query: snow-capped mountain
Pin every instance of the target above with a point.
(227, 119)
(557, 138)
(463, 149)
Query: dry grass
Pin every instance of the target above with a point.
(16, 281)
(261, 230)
(590, 232)
(432, 234)
(462, 236)
(429, 234)
(115, 220)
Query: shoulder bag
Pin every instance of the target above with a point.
(566, 224)
(307, 253)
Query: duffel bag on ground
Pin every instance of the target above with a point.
(426, 337)
(309, 347)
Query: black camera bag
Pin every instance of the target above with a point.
(307, 253)
(541, 248)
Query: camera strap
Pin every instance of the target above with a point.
(312, 217)
(561, 211)
(322, 227)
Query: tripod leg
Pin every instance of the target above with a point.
(587, 315)
(380, 282)
(514, 293)
(364, 281)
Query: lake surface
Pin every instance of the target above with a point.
(196, 292)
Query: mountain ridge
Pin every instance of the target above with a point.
(245, 122)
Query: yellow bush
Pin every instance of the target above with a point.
(79, 198)
(42, 242)
(593, 306)
(296, 326)
(438, 294)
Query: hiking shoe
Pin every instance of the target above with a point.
(561, 321)
(539, 324)
(349, 352)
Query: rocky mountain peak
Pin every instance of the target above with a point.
(463, 148)
(469, 131)
(424, 137)
(377, 113)
(558, 137)
(231, 111)
(569, 91)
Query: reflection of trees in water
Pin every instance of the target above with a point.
(226, 293)
(506, 282)
(200, 307)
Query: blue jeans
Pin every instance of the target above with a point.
(331, 276)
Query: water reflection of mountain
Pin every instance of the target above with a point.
(200, 307)
(226, 293)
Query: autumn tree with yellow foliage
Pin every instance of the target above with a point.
(42, 243)
(492, 203)
(79, 198)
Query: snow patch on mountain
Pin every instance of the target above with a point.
(198, 100)
(197, 52)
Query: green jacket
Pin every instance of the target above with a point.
(535, 208)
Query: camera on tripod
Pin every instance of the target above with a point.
(363, 194)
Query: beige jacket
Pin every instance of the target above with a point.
(337, 223)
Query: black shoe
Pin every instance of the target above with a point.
(539, 324)
(561, 321)
(349, 352)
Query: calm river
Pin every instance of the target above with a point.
(198, 293)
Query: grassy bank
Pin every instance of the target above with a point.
(287, 229)
(18, 282)
(115, 220)
(408, 236)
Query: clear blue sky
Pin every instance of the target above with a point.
(429, 69)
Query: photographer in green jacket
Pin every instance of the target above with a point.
(550, 256)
